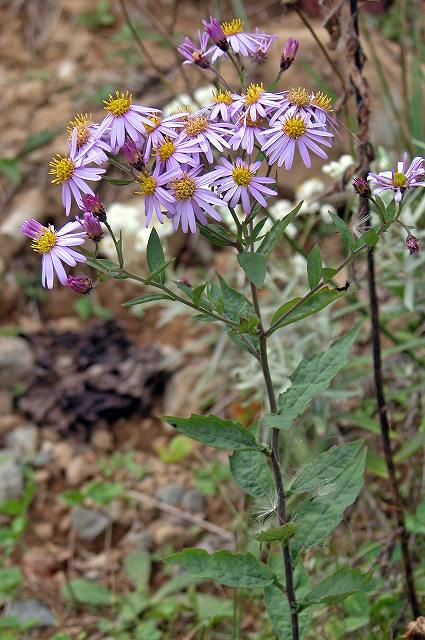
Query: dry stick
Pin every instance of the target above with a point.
(275, 460)
(363, 120)
(182, 515)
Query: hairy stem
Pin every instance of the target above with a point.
(361, 94)
(385, 436)
(275, 460)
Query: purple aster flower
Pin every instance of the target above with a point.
(175, 153)
(289, 52)
(299, 102)
(157, 128)
(123, 117)
(291, 132)
(264, 43)
(405, 177)
(91, 225)
(193, 54)
(55, 248)
(85, 140)
(193, 199)
(238, 182)
(239, 40)
(206, 134)
(71, 172)
(82, 285)
(221, 106)
(94, 205)
(215, 32)
(247, 132)
(413, 245)
(133, 155)
(255, 102)
(151, 186)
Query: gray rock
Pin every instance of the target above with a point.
(31, 609)
(11, 477)
(23, 441)
(17, 364)
(140, 540)
(193, 500)
(89, 524)
(170, 493)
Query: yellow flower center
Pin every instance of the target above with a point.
(166, 149)
(147, 185)
(81, 122)
(323, 101)
(399, 179)
(194, 126)
(45, 241)
(224, 97)
(299, 97)
(62, 168)
(294, 127)
(232, 27)
(242, 176)
(120, 104)
(184, 188)
(155, 123)
(253, 92)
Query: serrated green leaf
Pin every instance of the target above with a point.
(155, 255)
(317, 517)
(214, 431)
(144, 299)
(336, 587)
(254, 265)
(230, 569)
(314, 267)
(251, 471)
(281, 533)
(312, 376)
(273, 236)
(313, 304)
(326, 467)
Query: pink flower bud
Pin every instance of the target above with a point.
(413, 245)
(289, 53)
(81, 285)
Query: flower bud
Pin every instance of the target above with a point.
(133, 155)
(185, 281)
(361, 187)
(92, 226)
(289, 53)
(413, 245)
(94, 205)
(216, 33)
(81, 285)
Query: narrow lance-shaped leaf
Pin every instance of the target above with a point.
(214, 431)
(314, 267)
(312, 376)
(280, 534)
(273, 236)
(278, 608)
(230, 569)
(155, 256)
(313, 304)
(336, 587)
(154, 297)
